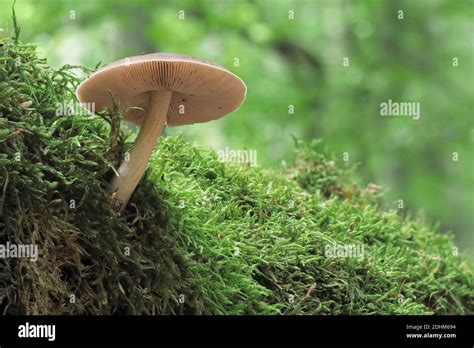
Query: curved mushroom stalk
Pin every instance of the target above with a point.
(130, 172)
(198, 90)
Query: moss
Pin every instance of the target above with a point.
(199, 236)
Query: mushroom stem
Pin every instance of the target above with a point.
(130, 172)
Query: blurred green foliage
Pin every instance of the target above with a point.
(299, 62)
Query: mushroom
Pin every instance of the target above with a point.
(155, 90)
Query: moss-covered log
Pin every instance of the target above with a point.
(199, 236)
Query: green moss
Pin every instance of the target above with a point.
(202, 236)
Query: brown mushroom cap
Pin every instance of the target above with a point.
(203, 90)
